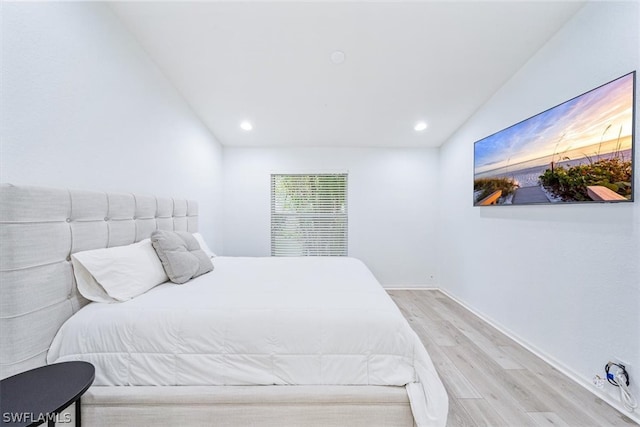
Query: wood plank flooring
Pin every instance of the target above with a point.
(491, 379)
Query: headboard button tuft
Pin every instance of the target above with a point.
(68, 219)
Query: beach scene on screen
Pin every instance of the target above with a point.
(578, 151)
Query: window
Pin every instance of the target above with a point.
(309, 215)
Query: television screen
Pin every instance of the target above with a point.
(580, 151)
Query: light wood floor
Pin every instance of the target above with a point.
(492, 380)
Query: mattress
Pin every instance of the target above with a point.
(258, 321)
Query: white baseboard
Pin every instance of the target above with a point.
(406, 287)
(575, 377)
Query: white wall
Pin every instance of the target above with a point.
(84, 107)
(564, 279)
(391, 203)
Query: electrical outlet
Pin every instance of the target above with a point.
(598, 381)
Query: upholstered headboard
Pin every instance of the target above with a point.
(39, 230)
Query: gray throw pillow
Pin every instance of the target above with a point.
(181, 255)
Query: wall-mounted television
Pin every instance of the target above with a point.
(580, 151)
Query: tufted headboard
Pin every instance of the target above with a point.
(39, 230)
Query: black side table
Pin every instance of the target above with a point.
(39, 395)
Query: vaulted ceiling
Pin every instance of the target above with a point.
(340, 73)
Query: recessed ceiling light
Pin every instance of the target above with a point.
(337, 57)
(420, 126)
(246, 125)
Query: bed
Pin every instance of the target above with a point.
(258, 341)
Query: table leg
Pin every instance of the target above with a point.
(78, 411)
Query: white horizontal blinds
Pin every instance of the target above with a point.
(309, 215)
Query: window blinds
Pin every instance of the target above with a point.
(309, 215)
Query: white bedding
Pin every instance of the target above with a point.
(259, 321)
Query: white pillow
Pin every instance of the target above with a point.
(203, 245)
(119, 273)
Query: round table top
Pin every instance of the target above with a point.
(49, 389)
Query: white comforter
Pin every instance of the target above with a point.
(259, 321)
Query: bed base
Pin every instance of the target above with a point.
(263, 406)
